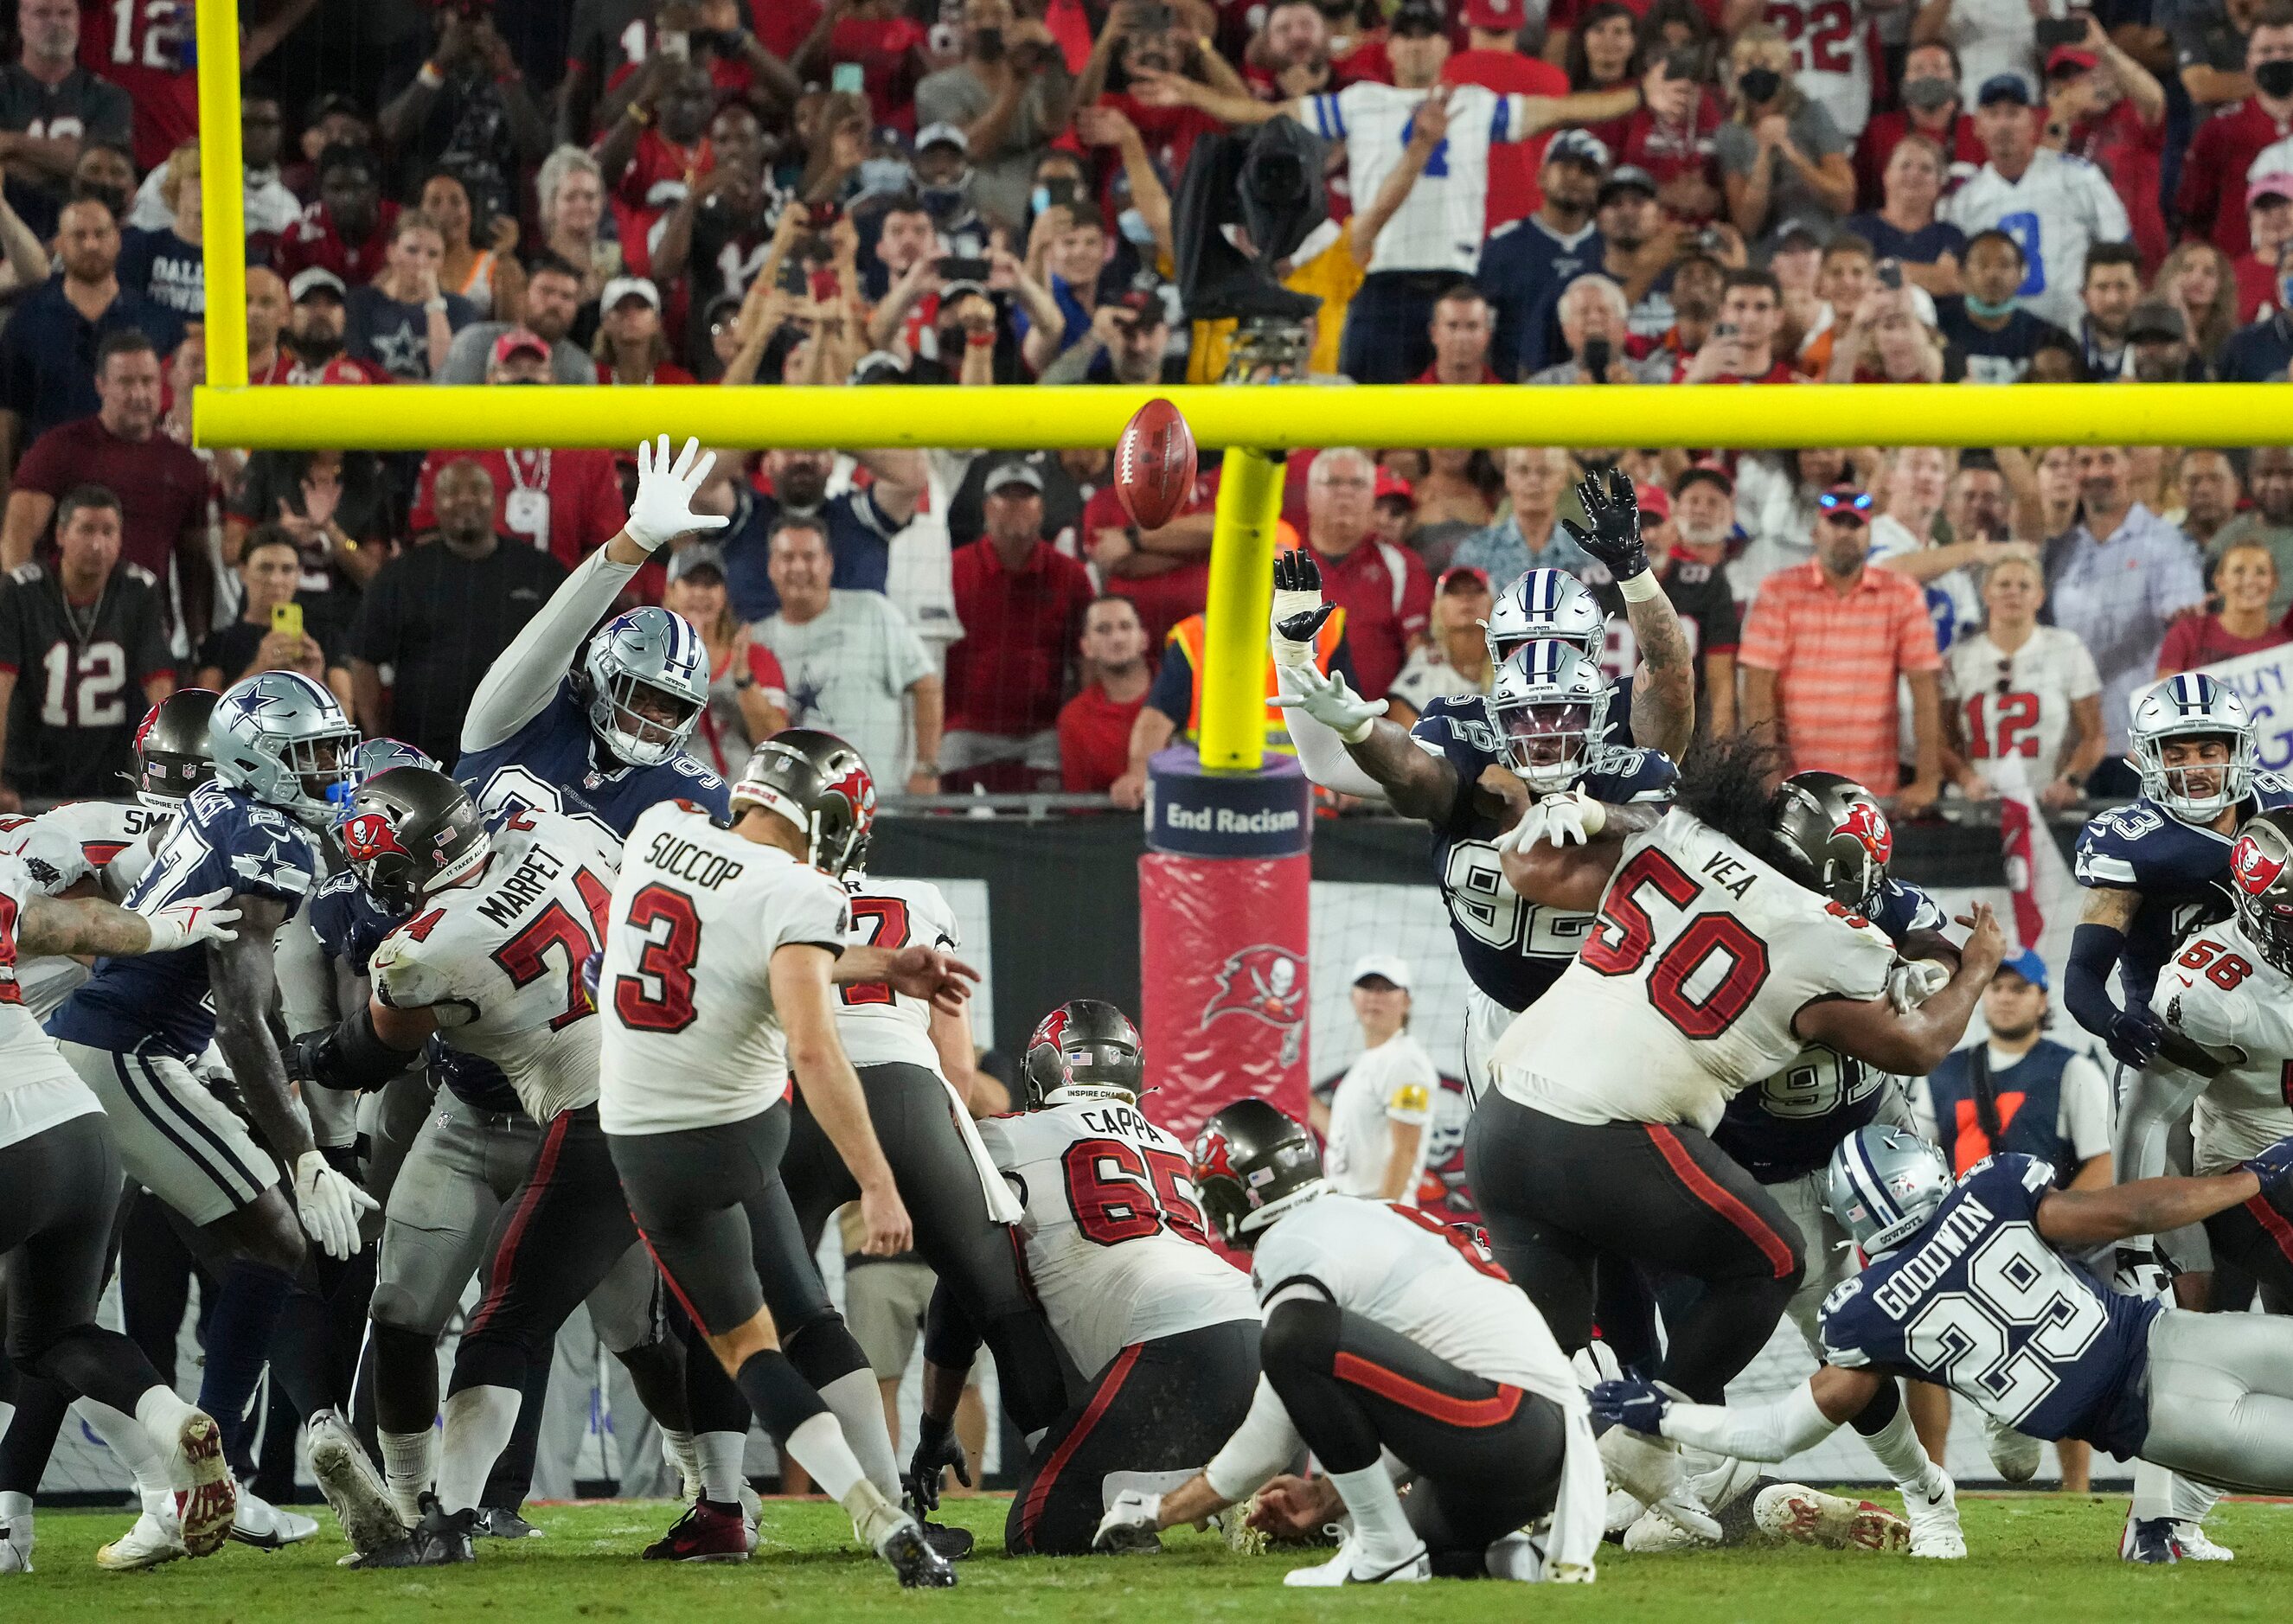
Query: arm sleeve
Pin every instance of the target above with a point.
(2094, 951)
(306, 981)
(1320, 751)
(2084, 1119)
(1263, 1445)
(526, 676)
(1774, 1431)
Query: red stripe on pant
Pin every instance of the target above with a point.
(537, 1184)
(1715, 1195)
(1425, 1401)
(2272, 1224)
(1116, 1373)
(675, 1290)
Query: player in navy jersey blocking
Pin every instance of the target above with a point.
(1970, 1286)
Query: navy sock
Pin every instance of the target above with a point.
(248, 1307)
(783, 1399)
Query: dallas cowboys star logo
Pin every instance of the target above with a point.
(804, 695)
(404, 354)
(253, 703)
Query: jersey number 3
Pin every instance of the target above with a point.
(1627, 935)
(659, 998)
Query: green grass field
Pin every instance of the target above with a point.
(2035, 1557)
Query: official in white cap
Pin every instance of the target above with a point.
(1382, 1104)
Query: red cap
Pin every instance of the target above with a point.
(1496, 15)
(1467, 572)
(343, 369)
(518, 339)
(2071, 56)
(1653, 499)
(1391, 484)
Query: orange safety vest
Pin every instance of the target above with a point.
(1187, 637)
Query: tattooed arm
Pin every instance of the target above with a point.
(1664, 689)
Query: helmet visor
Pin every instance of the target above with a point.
(1546, 738)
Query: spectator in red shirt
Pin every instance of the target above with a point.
(162, 487)
(1461, 330)
(1021, 601)
(656, 149)
(2269, 227)
(1095, 725)
(888, 44)
(1930, 107)
(1290, 55)
(630, 347)
(1675, 138)
(1385, 590)
(2112, 113)
(566, 503)
(1492, 59)
(1122, 52)
(349, 231)
(2213, 175)
(146, 50)
(1753, 304)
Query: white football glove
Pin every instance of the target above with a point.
(328, 1205)
(663, 510)
(1913, 983)
(1133, 1508)
(191, 921)
(1332, 704)
(1570, 817)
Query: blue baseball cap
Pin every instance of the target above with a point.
(2026, 963)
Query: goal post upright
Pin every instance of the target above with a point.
(222, 195)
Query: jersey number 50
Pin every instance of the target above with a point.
(1626, 936)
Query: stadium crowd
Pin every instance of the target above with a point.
(869, 193)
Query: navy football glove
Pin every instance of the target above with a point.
(2273, 1165)
(1638, 1405)
(1295, 572)
(1615, 515)
(2133, 1037)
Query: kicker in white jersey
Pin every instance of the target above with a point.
(500, 958)
(1686, 990)
(690, 1036)
(37, 1089)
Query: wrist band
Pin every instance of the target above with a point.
(1639, 588)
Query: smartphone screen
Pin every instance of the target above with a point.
(848, 79)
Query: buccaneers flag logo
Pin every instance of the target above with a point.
(1867, 825)
(2255, 869)
(369, 835)
(1267, 983)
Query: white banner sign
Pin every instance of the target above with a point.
(2265, 682)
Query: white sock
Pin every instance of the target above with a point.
(16, 1517)
(2153, 1491)
(1515, 1557)
(717, 1468)
(410, 1462)
(2191, 1500)
(479, 1421)
(858, 1403)
(147, 1441)
(1897, 1445)
(820, 1448)
(1380, 1524)
(678, 1448)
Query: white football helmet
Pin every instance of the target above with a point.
(284, 739)
(1550, 704)
(1884, 1184)
(1545, 603)
(2193, 705)
(657, 652)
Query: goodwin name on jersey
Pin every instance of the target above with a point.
(1117, 1250)
(1513, 949)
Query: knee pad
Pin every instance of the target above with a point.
(410, 1309)
(822, 1348)
(1301, 1335)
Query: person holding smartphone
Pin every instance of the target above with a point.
(269, 633)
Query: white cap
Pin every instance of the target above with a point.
(1392, 966)
(621, 288)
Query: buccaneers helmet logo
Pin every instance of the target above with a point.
(1212, 1159)
(369, 835)
(1267, 983)
(1867, 825)
(2255, 869)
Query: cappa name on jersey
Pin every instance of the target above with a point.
(528, 881)
(1117, 1120)
(687, 860)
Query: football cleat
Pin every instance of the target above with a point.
(707, 1531)
(263, 1525)
(1653, 1532)
(361, 1500)
(912, 1558)
(502, 1523)
(2197, 1546)
(1809, 1516)
(2015, 1455)
(1346, 1568)
(13, 1558)
(2149, 1539)
(952, 1543)
(153, 1540)
(213, 1507)
(1932, 1511)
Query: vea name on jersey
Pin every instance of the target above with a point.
(1513, 949)
(2182, 872)
(551, 763)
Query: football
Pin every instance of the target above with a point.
(1155, 465)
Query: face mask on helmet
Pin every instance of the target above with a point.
(2204, 725)
(648, 677)
(1549, 743)
(1884, 1184)
(283, 739)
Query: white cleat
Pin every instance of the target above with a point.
(15, 1558)
(1933, 1513)
(268, 1527)
(2197, 1546)
(1656, 1532)
(1346, 1569)
(1623, 1510)
(154, 1540)
(2015, 1455)
(360, 1500)
(1809, 1516)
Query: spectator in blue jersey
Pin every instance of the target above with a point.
(1905, 228)
(1986, 323)
(1525, 264)
(167, 264)
(859, 524)
(46, 355)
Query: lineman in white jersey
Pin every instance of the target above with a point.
(1163, 1329)
(715, 987)
(1385, 1331)
(2055, 206)
(1717, 956)
(499, 927)
(59, 1164)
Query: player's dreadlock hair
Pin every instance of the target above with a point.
(1729, 783)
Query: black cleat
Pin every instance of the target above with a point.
(948, 1541)
(442, 1538)
(912, 1558)
(502, 1523)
